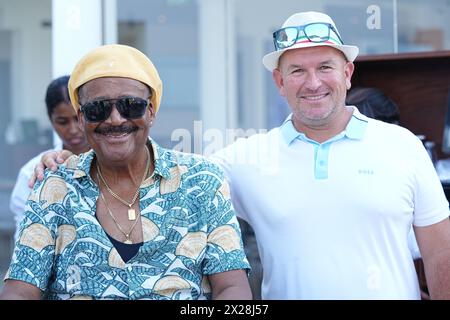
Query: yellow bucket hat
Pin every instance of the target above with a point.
(115, 60)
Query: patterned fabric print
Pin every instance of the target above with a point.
(189, 226)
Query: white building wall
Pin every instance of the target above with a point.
(30, 56)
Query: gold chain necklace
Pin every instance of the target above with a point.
(131, 211)
(126, 234)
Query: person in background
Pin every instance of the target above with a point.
(128, 219)
(332, 194)
(373, 103)
(65, 123)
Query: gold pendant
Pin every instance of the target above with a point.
(131, 214)
(128, 241)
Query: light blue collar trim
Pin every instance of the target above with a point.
(288, 131)
(357, 125)
(355, 129)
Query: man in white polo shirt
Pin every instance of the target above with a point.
(331, 194)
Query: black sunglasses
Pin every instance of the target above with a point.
(128, 107)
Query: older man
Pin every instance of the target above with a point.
(128, 220)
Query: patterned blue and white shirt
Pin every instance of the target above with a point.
(189, 226)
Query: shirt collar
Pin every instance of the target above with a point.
(354, 130)
(357, 125)
(288, 131)
(163, 161)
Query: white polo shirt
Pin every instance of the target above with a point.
(332, 219)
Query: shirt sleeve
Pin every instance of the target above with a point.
(224, 248)
(430, 204)
(21, 191)
(33, 254)
(18, 199)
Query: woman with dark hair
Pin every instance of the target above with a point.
(64, 120)
(373, 103)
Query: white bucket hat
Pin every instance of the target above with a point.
(270, 60)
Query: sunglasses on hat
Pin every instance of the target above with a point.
(128, 107)
(313, 32)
